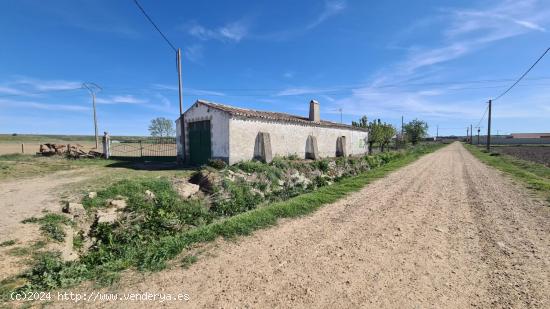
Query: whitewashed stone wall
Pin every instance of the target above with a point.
(219, 129)
(289, 138)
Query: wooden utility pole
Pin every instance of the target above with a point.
(437, 133)
(471, 135)
(402, 136)
(478, 129)
(178, 60)
(93, 88)
(467, 133)
(489, 127)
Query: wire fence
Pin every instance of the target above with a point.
(151, 148)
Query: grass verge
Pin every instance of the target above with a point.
(105, 263)
(165, 248)
(535, 176)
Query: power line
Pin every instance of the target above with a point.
(155, 25)
(483, 116)
(523, 75)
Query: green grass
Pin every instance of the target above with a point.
(14, 166)
(158, 230)
(188, 260)
(51, 225)
(535, 176)
(166, 248)
(7, 243)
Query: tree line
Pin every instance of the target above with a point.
(382, 133)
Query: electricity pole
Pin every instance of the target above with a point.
(402, 136)
(178, 60)
(471, 135)
(437, 133)
(478, 129)
(467, 134)
(489, 127)
(93, 89)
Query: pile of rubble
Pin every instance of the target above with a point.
(71, 151)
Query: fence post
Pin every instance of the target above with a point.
(140, 149)
(106, 145)
(22, 148)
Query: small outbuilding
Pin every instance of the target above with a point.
(210, 130)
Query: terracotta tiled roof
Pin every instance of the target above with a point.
(275, 116)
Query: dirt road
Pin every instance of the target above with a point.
(24, 198)
(445, 231)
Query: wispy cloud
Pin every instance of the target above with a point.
(299, 91)
(194, 52)
(331, 8)
(230, 32)
(120, 99)
(189, 90)
(13, 91)
(288, 74)
(462, 32)
(47, 85)
(43, 106)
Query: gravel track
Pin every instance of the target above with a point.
(444, 231)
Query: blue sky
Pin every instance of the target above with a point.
(434, 60)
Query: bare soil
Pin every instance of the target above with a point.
(538, 154)
(445, 231)
(22, 199)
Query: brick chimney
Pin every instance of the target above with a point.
(314, 114)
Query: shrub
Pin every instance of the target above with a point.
(293, 157)
(241, 198)
(323, 165)
(50, 272)
(51, 225)
(217, 164)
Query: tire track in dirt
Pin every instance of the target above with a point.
(445, 231)
(510, 251)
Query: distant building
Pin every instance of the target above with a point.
(530, 135)
(210, 130)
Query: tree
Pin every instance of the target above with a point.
(416, 130)
(362, 123)
(386, 135)
(161, 127)
(380, 133)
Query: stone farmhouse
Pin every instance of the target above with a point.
(210, 130)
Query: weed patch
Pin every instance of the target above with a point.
(534, 175)
(7, 243)
(51, 225)
(152, 231)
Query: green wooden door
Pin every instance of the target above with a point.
(199, 142)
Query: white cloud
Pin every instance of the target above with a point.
(235, 31)
(298, 91)
(230, 32)
(43, 106)
(193, 52)
(48, 85)
(288, 75)
(462, 32)
(331, 8)
(12, 91)
(188, 90)
(120, 99)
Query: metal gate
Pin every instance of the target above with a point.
(154, 148)
(200, 147)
